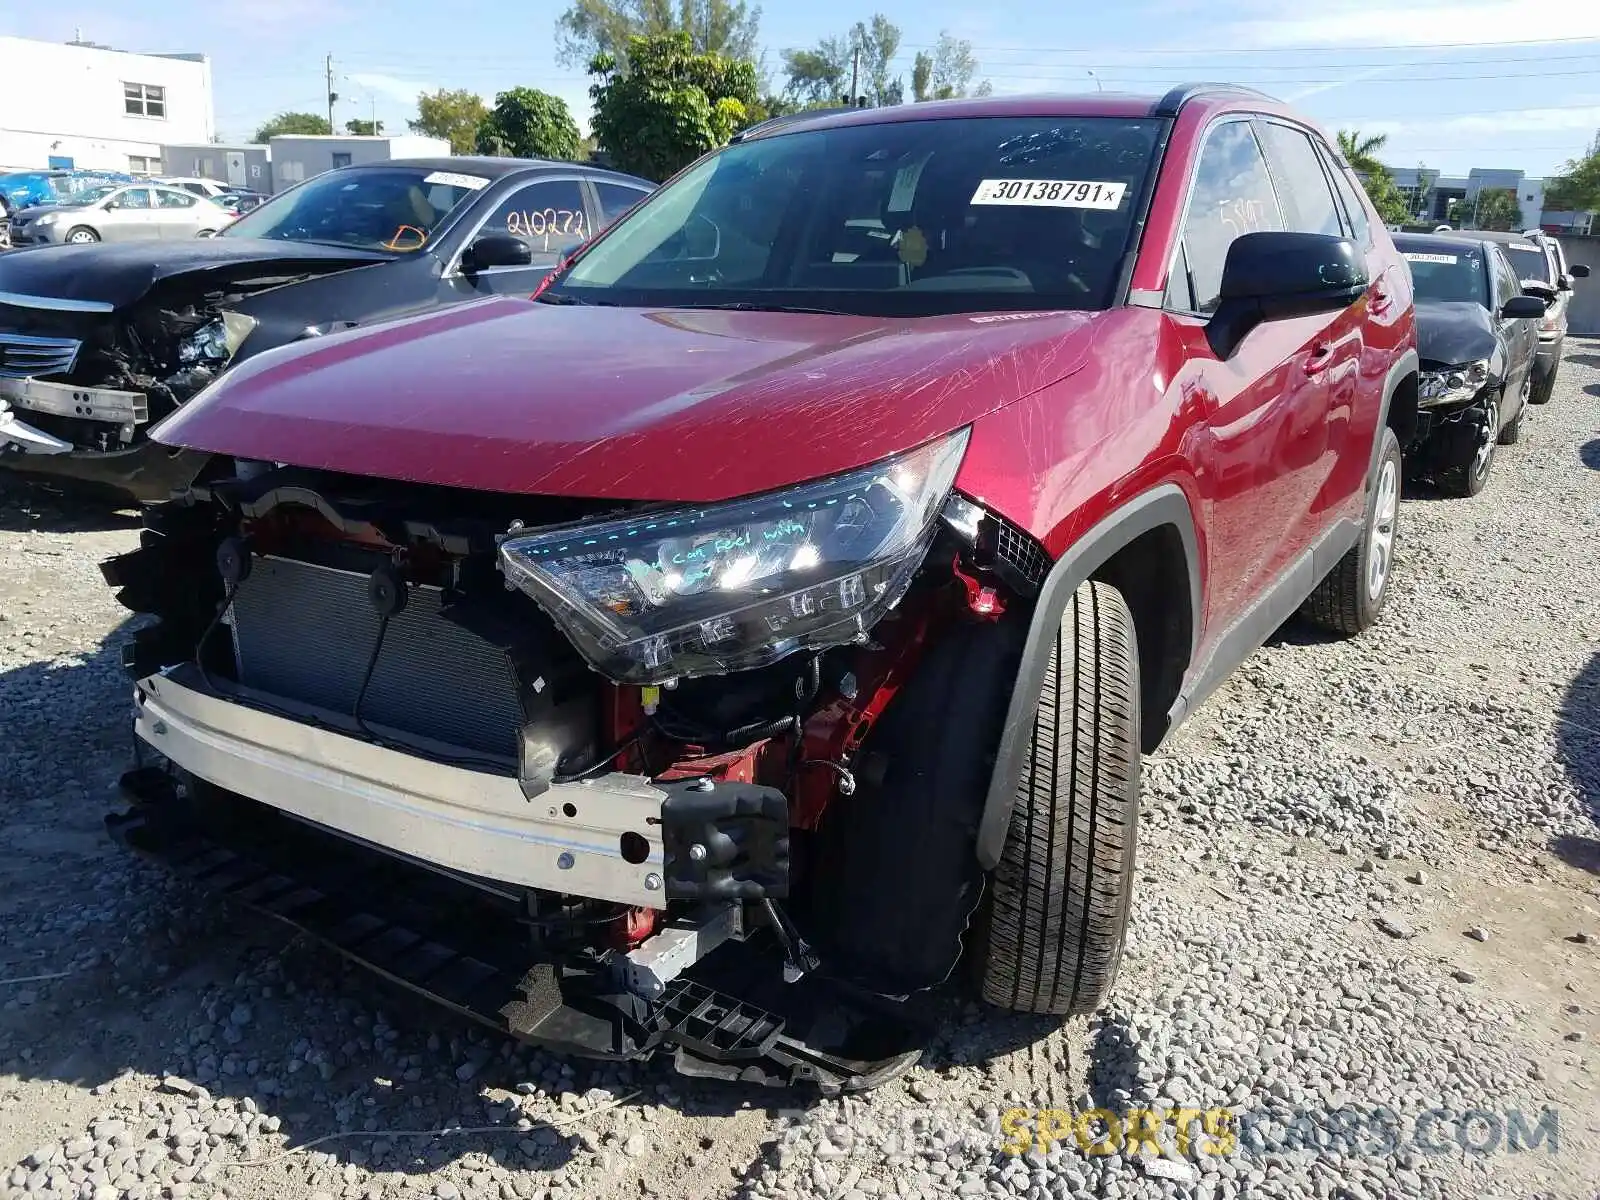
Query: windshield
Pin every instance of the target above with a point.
(88, 195)
(375, 208)
(906, 218)
(1452, 274)
(1528, 260)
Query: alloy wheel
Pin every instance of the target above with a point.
(1385, 511)
(1486, 441)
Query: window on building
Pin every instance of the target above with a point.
(340, 159)
(140, 165)
(144, 100)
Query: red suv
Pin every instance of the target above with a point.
(774, 613)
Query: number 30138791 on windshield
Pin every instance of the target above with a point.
(1055, 193)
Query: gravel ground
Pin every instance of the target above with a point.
(1367, 923)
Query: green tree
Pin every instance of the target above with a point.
(1361, 153)
(592, 27)
(452, 115)
(822, 74)
(947, 72)
(528, 123)
(1497, 209)
(672, 104)
(360, 128)
(1577, 187)
(302, 123)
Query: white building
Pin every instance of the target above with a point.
(296, 157)
(78, 105)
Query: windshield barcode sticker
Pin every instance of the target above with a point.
(453, 179)
(1050, 193)
(1448, 260)
(1525, 246)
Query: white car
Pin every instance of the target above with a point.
(209, 188)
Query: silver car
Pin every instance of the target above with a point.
(133, 212)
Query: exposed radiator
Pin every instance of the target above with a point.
(305, 632)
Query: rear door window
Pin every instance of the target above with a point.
(1232, 196)
(616, 199)
(1303, 188)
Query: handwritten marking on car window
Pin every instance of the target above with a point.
(1448, 260)
(542, 225)
(1050, 193)
(1242, 216)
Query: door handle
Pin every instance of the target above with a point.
(1320, 357)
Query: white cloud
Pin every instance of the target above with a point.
(1522, 120)
(1379, 23)
(401, 91)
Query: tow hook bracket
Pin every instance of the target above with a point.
(724, 841)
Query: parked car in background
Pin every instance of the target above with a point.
(98, 342)
(807, 567)
(26, 189)
(1558, 275)
(209, 188)
(239, 201)
(1478, 336)
(115, 212)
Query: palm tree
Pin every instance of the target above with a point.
(1362, 152)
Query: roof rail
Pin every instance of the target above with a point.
(1175, 99)
(772, 123)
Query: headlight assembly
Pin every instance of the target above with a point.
(1453, 384)
(48, 219)
(216, 341)
(681, 592)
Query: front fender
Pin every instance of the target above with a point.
(1163, 505)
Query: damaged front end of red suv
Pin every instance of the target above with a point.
(544, 759)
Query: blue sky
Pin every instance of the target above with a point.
(1454, 83)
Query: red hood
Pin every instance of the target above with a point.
(617, 403)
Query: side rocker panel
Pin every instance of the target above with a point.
(1163, 505)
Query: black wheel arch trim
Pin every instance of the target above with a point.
(1165, 504)
(1409, 363)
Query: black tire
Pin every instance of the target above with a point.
(1345, 601)
(1468, 480)
(1512, 433)
(1061, 895)
(1544, 385)
(81, 235)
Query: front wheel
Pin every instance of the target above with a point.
(82, 236)
(1469, 479)
(1545, 385)
(1062, 892)
(1351, 596)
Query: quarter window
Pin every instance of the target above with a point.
(144, 100)
(549, 216)
(616, 199)
(1354, 204)
(1302, 187)
(1232, 196)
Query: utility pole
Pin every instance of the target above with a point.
(332, 95)
(855, 74)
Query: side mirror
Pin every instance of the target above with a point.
(1578, 271)
(1541, 289)
(1273, 276)
(1522, 307)
(496, 250)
